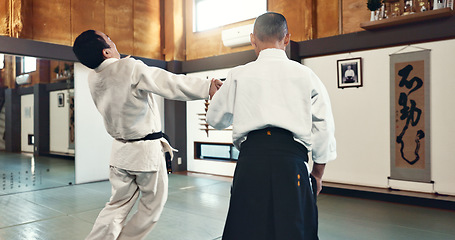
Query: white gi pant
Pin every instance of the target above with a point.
(126, 186)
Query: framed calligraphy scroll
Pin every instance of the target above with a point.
(410, 116)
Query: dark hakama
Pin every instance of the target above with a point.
(271, 197)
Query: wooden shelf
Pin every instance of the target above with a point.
(62, 79)
(416, 17)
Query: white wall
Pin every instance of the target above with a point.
(27, 104)
(93, 143)
(59, 122)
(362, 119)
(194, 134)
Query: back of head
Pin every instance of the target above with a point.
(88, 48)
(270, 27)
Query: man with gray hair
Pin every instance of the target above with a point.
(280, 111)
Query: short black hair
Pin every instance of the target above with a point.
(88, 48)
(270, 26)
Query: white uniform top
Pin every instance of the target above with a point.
(349, 73)
(123, 93)
(274, 91)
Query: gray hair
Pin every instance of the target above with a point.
(270, 26)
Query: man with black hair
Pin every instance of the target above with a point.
(123, 91)
(280, 111)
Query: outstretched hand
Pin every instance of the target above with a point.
(214, 86)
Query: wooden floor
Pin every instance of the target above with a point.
(196, 210)
(22, 172)
(364, 192)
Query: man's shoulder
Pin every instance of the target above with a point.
(255, 65)
(298, 65)
(129, 61)
(238, 69)
(124, 65)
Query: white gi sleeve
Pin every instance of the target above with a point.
(169, 85)
(323, 126)
(221, 108)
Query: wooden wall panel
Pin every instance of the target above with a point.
(327, 18)
(41, 75)
(52, 75)
(2, 78)
(52, 21)
(9, 71)
(207, 43)
(5, 17)
(119, 24)
(18, 13)
(134, 25)
(26, 18)
(174, 30)
(169, 45)
(299, 15)
(85, 15)
(16, 24)
(354, 12)
(147, 29)
(35, 76)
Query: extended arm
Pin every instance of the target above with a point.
(169, 85)
(214, 86)
(221, 109)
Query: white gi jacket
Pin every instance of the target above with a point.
(123, 93)
(274, 91)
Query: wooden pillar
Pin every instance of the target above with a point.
(327, 18)
(175, 128)
(12, 120)
(175, 124)
(5, 17)
(147, 28)
(292, 51)
(174, 30)
(41, 119)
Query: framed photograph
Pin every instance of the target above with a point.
(61, 99)
(350, 73)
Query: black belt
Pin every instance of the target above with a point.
(151, 136)
(270, 131)
(154, 136)
(283, 140)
